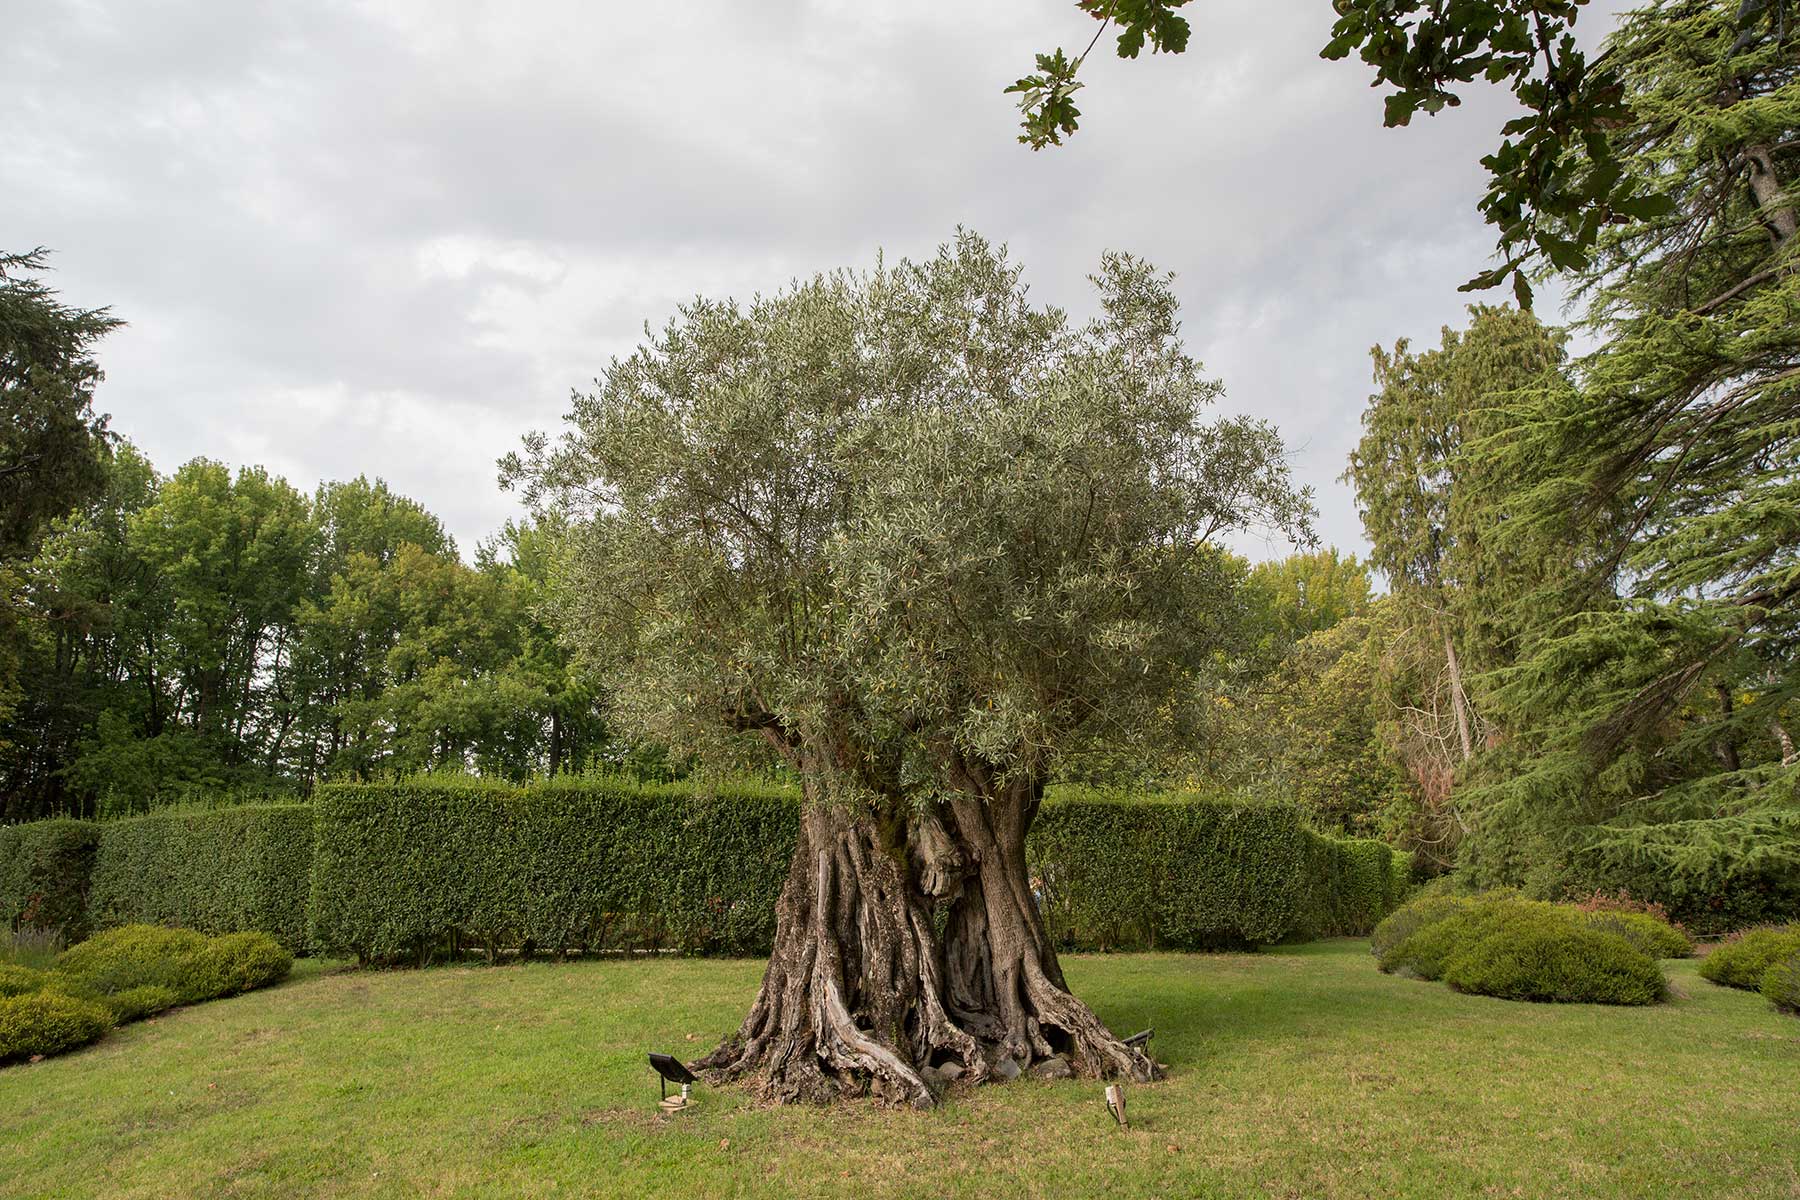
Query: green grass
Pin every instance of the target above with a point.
(1298, 1072)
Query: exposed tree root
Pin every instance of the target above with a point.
(907, 955)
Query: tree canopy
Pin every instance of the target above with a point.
(1663, 688)
(52, 443)
(53, 446)
(927, 541)
(1603, 548)
(891, 520)
(218, 630)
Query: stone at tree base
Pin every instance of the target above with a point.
(1054, 1067)
(950, 1071)
(1006, 1070)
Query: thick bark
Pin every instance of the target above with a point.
(907, 953)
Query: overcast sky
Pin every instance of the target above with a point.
(388, 239)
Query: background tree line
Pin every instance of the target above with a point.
(1583, 667)
(1584, 671)
(222, 630)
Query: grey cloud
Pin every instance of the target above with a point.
(388, 239)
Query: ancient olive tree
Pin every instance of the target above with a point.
(922, 538)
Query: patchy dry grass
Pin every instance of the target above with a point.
(1299, 1072)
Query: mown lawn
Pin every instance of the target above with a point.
(1296, 1072)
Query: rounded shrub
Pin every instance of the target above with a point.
(190, 966)
(48, 1022)
(1428, 950)
(20, 981)
(1531, 952)
(242, 962)
(1781, 983)
(134, 1004)
(1407, 920)
(138, 955)
(1654, 937)
(1742, 961)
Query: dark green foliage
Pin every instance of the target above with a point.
(191, 965)
(1742, 961)
(595, 863)
(48, 1022)
(584, 863)
(216, 871)
(52, 443)
(1353, 884)
(1712, 875)
(1120, 874)
(44, 870)
(1533, 954)
(1197, 872)
(1781, 983)
(1518, 950)
(1655, 682)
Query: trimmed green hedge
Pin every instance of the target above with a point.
(215, 870)
(402, 870)
(396, 870)
(1201, 872)
(44, 872)
(1354, 883)
(399, 869)
(1118, 874)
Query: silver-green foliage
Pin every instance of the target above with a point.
(884, 518)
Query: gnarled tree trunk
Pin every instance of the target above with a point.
(909, 951)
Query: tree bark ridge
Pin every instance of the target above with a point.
(909, 952)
